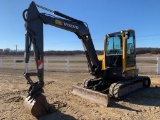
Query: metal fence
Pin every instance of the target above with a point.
(145, 64)
(148, 64)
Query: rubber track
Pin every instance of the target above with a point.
(123, 89)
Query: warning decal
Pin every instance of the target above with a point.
(40, 64)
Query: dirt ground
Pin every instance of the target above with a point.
(144, 105)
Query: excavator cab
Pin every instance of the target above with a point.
(119, 58)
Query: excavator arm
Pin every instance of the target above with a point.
(36, 102)
(34, 36)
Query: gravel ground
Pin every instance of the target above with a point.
(143, 105)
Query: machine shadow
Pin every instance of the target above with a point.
(56, 114)
(146, 97)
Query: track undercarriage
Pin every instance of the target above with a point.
(126, 88)
(119, 90)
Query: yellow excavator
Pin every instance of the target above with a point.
(114, 73)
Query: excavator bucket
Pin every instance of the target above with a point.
(91, 95)
(37, 105)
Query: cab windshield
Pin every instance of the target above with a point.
(114, 45)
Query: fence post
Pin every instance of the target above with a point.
(158, 65)
(46, 64)
(67, 64)
(1, 63)
(14, 63)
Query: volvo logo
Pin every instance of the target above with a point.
(71, 26)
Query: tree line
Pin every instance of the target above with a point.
(8, 51)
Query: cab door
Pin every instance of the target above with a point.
(130, 51)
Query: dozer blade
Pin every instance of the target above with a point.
(91, 95)
(37, 105)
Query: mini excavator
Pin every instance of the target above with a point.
(114, 73)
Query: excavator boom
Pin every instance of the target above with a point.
(34, 26)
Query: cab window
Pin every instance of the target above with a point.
(114, 45)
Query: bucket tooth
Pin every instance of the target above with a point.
(97, 97)
(37, 105)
